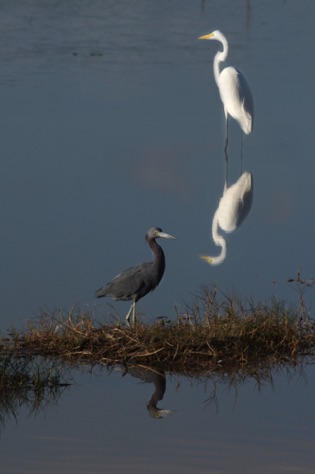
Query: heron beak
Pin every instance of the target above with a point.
(206, 37)
(166, 236)
(206, 258)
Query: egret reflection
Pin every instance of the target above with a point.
(234, 207)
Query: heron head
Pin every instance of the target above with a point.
(156, 232)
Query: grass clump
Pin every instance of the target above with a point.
(209, 334)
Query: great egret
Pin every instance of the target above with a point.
(136, 282)
(234, 90)
(233, 208)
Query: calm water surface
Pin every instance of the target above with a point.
(111, 123)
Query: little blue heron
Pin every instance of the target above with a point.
(136, 282)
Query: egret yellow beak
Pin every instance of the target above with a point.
(206, 37)
(206, 258)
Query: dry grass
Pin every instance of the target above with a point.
(207, 335)
(218, 340)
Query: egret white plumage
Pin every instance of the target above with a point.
(234, 90)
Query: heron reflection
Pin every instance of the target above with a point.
(147, 375)
(234, 206)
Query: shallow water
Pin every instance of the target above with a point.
(111, 123)
(102, 424)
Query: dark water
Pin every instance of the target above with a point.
(103, 425)
(111, 123)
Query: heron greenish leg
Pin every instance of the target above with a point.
(134, 313)
(129, 312)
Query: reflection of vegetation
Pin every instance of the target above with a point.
(214, 342)
(231, 377)
(210, 334)
(32, 383)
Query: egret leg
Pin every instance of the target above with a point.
(241, 152)
(226, 133)
(226, 158)
(129, 312)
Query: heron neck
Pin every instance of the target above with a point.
(159, 257)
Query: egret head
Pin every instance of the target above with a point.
(210, 36)
(207, 258)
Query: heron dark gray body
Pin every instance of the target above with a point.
(136, 282)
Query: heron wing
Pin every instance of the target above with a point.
(131, 284)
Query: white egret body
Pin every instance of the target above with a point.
(234, 90)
